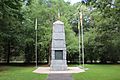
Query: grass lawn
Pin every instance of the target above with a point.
(99, 72)
(19, 73)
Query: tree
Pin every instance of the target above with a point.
(107, 21)
(10, 24)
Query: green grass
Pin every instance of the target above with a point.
(19, 73)
(99, 72)
(95, 72)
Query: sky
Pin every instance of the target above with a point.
(73, 1)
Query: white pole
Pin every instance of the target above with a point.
(79, 39)
(36, 41)
(82, 39)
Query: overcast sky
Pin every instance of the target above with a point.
(73, 1)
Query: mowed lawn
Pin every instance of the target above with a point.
(95, 72)
(99, 72)
(20, 73)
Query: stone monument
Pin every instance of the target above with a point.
(58, 48)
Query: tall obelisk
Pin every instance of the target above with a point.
(58, 49)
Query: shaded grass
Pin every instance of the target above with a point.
(20, 73)
(99, 72)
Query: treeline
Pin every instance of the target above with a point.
(17, 33)
(103, 38)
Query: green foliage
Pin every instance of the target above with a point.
(107, 23)
(103, 32)
(17, 33)
(10, 26)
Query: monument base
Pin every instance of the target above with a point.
(58, 65)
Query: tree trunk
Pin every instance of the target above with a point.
(8, 53)
(49, 54)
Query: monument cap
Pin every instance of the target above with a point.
(58, 22)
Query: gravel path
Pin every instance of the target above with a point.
(59, 77)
